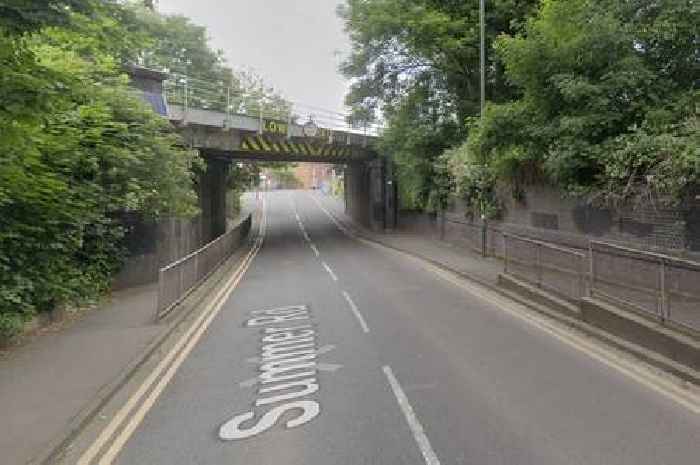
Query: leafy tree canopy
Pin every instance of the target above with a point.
(608, 100)
(416, 63)
(78, 150)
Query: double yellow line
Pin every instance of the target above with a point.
(127, 419)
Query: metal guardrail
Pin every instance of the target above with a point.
(194, 93)
(548, 266)
(481, 237)
(657, 285)
(178, 279)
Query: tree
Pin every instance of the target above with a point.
(20, 16)
(398, 44)
(77, 149)
(416, 63)
(608, 104)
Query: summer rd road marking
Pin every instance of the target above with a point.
(328, 367)
(632, 369)
(330, 272)
(288, 373)
(176, 355)
(413, 423)
(313, 247)
(357, 313)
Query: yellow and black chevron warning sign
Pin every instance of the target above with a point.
(263, 144)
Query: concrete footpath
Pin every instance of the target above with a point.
(50, 379)
(58, 376)
(485, 271)
(456, 258)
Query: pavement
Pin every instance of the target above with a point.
(46, 382)
(329, 350)
(455, 257)
(52, 380)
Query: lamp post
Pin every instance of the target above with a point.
(482, 55)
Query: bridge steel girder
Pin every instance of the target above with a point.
(269, 156)
(227, 144)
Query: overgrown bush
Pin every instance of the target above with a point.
(76, 149)
(608, 106)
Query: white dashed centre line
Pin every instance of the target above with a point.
(330, 272)
(357, 313)
(413, 423)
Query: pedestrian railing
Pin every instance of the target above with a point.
(179, 278)
(557, 269)
(658, 285)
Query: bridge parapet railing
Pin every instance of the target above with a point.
(548, 266)
(178, 279)
(664, 287)
(192, 93)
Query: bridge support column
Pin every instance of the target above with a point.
(376, 195)
(357, 192)
(212, 198)
(370, 194)
(382, 195)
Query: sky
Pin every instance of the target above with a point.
(295, 45)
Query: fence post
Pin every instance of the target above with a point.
(484, 231)
(591, 287)
(180, 273)
(260, 107)
(581, 276)
(185, 101)
(196, 268)
(161, 290)
(539, 265)
(662, 289)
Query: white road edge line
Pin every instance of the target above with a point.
(332, 218)
(330, 272)
(412, 420)
(314, 248)
(177, 356)
(641, 374)
(357, 313)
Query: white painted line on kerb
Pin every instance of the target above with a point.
(313, 247)
(413, 423)
(357, 313)
(330, 272)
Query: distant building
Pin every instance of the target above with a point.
(314, 175)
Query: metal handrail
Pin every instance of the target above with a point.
(579, 272)
(661, 291)
(179, 278)
(191, 92)
(648, 255)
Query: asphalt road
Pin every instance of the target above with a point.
(384, 362)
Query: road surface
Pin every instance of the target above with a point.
(332, 351)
